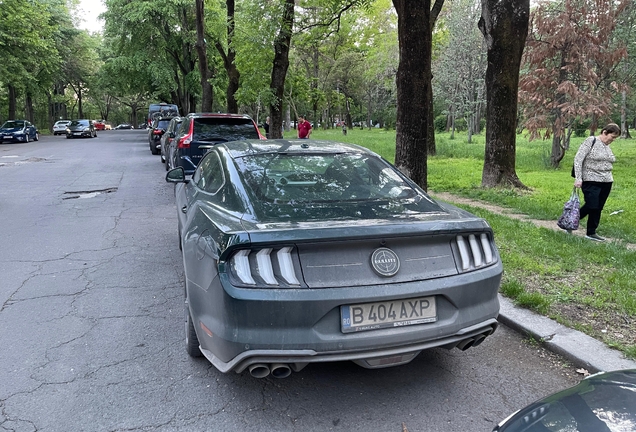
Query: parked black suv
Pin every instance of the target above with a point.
(201, 131)
(156, 131)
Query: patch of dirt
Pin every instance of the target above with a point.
(607, 325)
(454, 199)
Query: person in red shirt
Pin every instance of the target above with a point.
(304, 128)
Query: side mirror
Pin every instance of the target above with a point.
(176, 175)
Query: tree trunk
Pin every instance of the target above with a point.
(413, 88)
(624, 131)
(229, 58)
(28, 102)
(12, 102)
(279, 69)
(504, 24)
(206, 88)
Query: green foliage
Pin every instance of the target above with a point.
(440, 123)
(581, 127)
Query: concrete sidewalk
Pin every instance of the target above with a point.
(579, 348)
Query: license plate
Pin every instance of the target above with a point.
(77, 133)
(396, 313)
(7, 137)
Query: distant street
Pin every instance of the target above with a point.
(92, 327)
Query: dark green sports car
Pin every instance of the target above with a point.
(312, 251)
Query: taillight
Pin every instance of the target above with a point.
(265, 267)
(475, 251)
(156, 132)
(185, 142)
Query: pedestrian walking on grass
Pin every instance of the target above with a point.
(304, 128)
(593, 174)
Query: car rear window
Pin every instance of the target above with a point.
(224, 129)
(338, 185)
(162, 124)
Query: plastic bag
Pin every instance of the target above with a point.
(569, 219)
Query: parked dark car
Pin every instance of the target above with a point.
(82, 128)
(306, 251)
(123, 126)
(155, 132)
(18, 131)
(602, 402)
(200, 132)
(167, 138)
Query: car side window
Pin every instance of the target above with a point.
(209, 174)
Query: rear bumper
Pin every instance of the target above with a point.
(241, 327)
(371, 358)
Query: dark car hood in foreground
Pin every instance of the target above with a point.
(602, 402)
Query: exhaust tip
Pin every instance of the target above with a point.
(280, 370)
(465, 344)
(478, 340)
(259, 370)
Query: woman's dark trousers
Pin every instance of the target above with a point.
(595, 194)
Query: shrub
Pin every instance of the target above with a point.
(440, 123)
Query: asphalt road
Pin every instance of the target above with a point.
(92, 333)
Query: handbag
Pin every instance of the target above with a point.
(570, 217)
(593, 142)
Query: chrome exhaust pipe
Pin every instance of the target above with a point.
(280, 370)
(259, 370)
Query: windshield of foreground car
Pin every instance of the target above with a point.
(79, 123)
(329, 186)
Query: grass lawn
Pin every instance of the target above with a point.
(586, 285)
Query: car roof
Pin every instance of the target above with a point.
(253, 147)
(219, 115)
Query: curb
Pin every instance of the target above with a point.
(577, 347)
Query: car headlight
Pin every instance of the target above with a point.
(87, 129)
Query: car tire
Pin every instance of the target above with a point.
(27, 138)
(191, 340)
(37, 137)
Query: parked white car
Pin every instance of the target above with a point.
(59, 128)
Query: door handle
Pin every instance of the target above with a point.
(184, 209)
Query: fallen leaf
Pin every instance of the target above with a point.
(583, 372)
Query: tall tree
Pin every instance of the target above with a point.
(570, 62)
(207, 95)
(229, 57)
(504, 24)
(460, 68)
(279, 70)
(414, 95)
